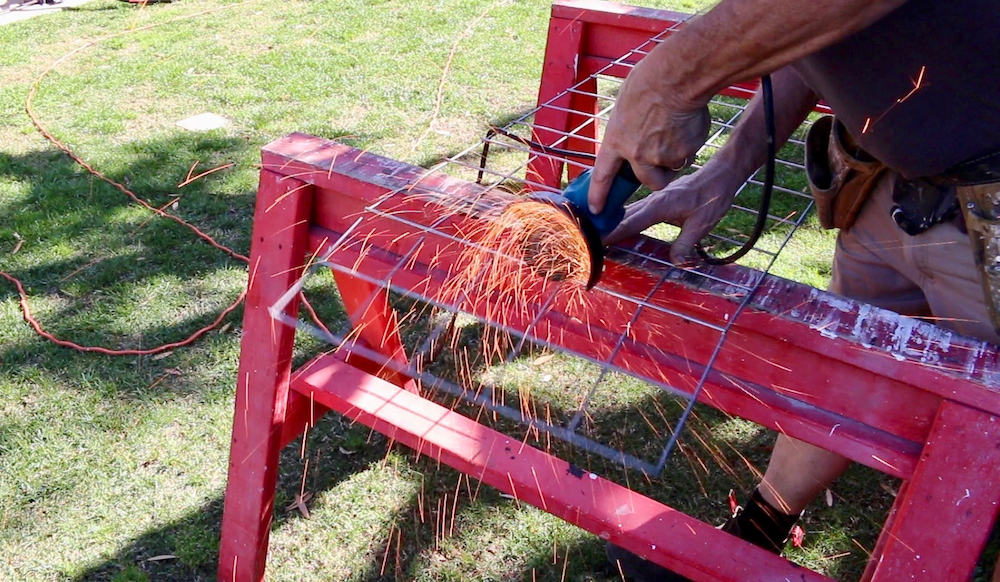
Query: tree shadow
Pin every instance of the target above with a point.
(92, 253)
(65, 212)
(55, 212)
(194, 538)
(192, 541)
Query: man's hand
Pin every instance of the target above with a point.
(696, 203)
(655, 131)
(660, 120)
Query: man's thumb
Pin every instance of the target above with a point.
(601, 177)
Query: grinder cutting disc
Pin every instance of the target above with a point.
(586, 228)
(592, 226)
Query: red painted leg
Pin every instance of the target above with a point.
(584, 126)
(560, 72)
(302, 413)
(277, 252)
(375, 322)
(943, 517)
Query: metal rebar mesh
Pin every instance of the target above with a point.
(501, 160)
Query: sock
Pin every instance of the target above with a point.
(761, 524)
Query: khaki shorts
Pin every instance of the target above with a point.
(930, 275)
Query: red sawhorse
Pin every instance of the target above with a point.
(895, 394)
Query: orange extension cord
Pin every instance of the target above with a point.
(26, 308)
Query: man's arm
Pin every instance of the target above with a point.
(746, 149)
(660, 119)
(697, 202)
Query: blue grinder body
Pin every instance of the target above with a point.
(594, 227)
(623, 187)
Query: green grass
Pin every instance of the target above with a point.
(108, 462)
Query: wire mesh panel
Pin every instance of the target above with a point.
(608, 331)
(562, 389)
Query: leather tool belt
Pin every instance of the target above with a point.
(842, 176)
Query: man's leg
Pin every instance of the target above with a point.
(797, 473)
(874, 263)
(931, 274)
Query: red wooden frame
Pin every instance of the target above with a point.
(854, 379)
(585, 37)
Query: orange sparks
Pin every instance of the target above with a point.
(525, 253)
(918, 83)
(190, 178)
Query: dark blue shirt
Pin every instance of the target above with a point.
(870, 78)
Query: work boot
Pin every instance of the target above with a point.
(759, 523)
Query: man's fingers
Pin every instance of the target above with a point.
(682, 250)
(605, 169)
(638, 217)
(654, 177)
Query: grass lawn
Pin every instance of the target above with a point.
(114, 468)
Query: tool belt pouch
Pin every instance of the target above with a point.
(841, 174)
(920, 204)
(980, 206)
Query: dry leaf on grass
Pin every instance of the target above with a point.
(161, 557)
(542, 359)
(161, 356)
(300, 504)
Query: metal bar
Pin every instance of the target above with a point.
(604, 508)
(578, 416)
(411, 370)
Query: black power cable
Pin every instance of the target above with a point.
(765, 194)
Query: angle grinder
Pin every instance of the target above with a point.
(594, 227)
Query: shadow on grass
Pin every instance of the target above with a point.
(85, 243)
(194, 539)
(91, 255)
(64, 212)
(192, 542)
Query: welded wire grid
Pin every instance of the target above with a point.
(507, 165)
